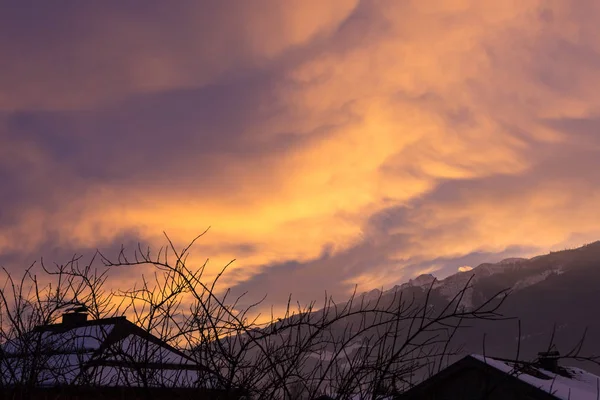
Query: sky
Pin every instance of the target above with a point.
(326, 144)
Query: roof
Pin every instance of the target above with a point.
(568, 383)
(105, 352)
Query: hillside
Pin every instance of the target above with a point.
(556, 291)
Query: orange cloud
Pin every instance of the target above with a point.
(352, 109)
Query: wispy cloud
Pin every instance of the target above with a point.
(326, 143)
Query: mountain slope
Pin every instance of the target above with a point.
(559, 292)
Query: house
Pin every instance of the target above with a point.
(479, 377)
(103, 358)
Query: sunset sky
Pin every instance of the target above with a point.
(326, 143)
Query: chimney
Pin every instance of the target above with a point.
(75, 316)
(548, 360)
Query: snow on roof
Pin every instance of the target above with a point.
(581, 385)
(59, 354)
(88, 353)
(79, 339)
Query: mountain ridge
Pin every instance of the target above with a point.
(525, 271)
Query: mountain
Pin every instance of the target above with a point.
(512, 273)
(559, 292)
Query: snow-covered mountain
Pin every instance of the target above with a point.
(553, 292)
(511, 273)
(556, 291)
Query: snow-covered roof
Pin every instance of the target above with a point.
(572, 383)
(107, 352)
